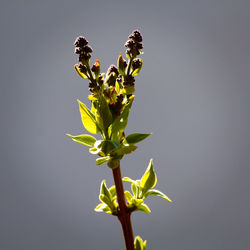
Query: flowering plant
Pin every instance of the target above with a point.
(112, 96)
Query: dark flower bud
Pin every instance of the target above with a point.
(136, 66)
(139, 46)
(82, 68)
(96, 68)
(93, 87)
(122, 64)
(80, 41)
(117, 106)
(112, 69)
(119, 79)
(78, 50)
(129, 81)
(136, 63)
(100, 81)
(111, 79)
(87, 49)
(129, 44)
(119, 98)
(136, 36)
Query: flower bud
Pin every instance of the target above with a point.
(136, 36)
(136, 66)
(112, 69)
(122, 64)
(87, 49)
(80, 41)
(129, 81)
(111, 79)
(96, 68)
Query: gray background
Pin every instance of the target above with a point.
(193, 94)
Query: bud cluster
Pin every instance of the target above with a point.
(117, 84)
(82, 49)
(134, 44)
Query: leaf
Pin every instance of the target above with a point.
(149, 178)
(134, 189)
(103, 115)
(120, 123)
(128, 196)
(128, 90)
(82, 75)
(136, 137)
(124, 149)
(106, 200)
(112, 190)
(96, 151)
(88, 119)
(86, 140)
(139, 244)
(144, 208)
(102, 160)
(103, 208)
(127, 179)
(104, 190)
(156, 193)
(138, 202)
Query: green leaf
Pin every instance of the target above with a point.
(103, 208)
(80, 73)
(120, 123)
(95, 151)
(106, 200)
(128, 90)
(128, 196)
(124, 149)
(144, 208)
(104, 190)
(135, 189)
(139, 244)
(136, 137)
(138, 202)
(149, 178)
(156, 193)
(86, 140)
(88, 119)
(127, 179)
(102, 160)
(112, 190)
(103, 114)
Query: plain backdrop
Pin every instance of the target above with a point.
(193, 94)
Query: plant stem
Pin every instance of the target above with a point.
(123, 213)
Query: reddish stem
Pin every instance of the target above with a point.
(123, 213)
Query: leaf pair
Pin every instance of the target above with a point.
(143, 188)
(108, 199)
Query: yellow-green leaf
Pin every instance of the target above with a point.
(144, 208)
(86, 140)
(149, 178)
(157, 193)
(80, 73)
(136, 137)
(88, 119)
